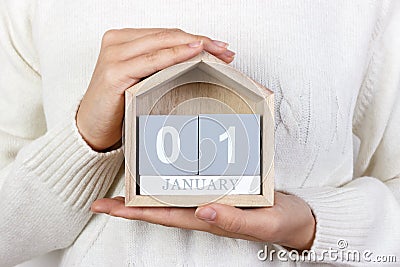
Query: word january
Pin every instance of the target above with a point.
(200, 184)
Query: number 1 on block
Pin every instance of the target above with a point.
(230, 135)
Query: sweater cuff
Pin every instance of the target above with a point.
(341, 217)
(69, 167)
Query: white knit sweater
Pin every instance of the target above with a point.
(334, 67)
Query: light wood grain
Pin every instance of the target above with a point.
(194, 201)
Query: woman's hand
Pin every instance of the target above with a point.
(126, 56)
(289, 222)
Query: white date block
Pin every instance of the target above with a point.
(199, 185)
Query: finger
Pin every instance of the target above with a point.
(105, 205)
(166, 39)
(249, 222)
(176, 217)
(147, 64)
(119, 36)
(172, 217)
(228, 56)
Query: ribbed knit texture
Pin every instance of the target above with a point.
(59, 171)
(334, 67)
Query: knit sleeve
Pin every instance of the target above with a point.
(48, 177)
(364, 214)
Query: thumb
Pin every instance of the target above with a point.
(226, 217)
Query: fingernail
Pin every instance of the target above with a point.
(196, 44)
(220, 43)
(206, 213)
(229, 53)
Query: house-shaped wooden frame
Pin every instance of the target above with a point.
(203, 84)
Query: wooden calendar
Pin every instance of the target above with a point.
(199, 132)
